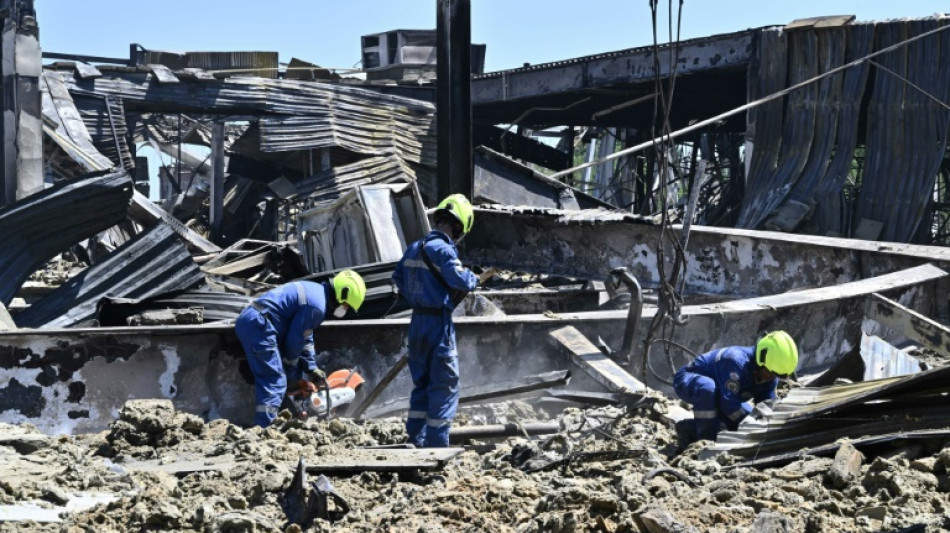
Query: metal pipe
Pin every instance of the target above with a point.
(458, 434)
(636, 309)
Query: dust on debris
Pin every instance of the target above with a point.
(609, 469)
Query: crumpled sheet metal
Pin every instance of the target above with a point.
(295, 115)
(64, 125)
(44, 224)
(815, 417)
(153, 262)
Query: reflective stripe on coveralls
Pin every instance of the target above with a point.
(280, 322)
(433, 360)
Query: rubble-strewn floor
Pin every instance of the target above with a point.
(652, 491)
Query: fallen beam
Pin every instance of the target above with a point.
(496, 431)
(913, 325)
(557, 378)
(592, 361)
(487, 392)
(143, 211)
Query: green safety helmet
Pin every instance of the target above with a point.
(777, 352)
(460, 208)
(349, 288)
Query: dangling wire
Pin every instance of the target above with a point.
(669, 304)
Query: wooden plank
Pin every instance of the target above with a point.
(913, 325)
(239, 265)
(592, 361)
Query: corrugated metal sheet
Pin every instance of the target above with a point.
(295, 115)
(825, 190)
(256, 64)
(331, 184)
(64, 126)
(500, 179)
(810, 418)
(216, 305)
(883, 360)
(803, 148)
(153, 262)
(907, 131)
(104, 117)
(44, 224)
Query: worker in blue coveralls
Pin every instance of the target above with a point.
(722, 384)
(276, 331)
(431, 277)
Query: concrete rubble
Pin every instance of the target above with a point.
(125, 399)
(237, 477)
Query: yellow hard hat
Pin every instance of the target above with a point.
(349, 288)
(459, 207)
(777, 352)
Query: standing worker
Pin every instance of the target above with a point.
(276, 331)
(431, 277)
(720, 384)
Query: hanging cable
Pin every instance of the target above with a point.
(668, 302)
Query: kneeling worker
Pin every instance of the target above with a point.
(721, 384)
(276, 331)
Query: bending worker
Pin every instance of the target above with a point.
(721, 384)
(276, 331)
(431, 277)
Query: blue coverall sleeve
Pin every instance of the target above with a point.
(455, 275)
(765, 391)
(300, 336)
(399, 275)
(729, 385)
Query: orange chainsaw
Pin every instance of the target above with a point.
(323, 399)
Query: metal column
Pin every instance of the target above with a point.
(454, 98)
(22, 126)
(217, 181)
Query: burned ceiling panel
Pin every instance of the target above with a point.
(44, 224)
(153, 262)
(502, 180)
(64, 125)
(578, 90)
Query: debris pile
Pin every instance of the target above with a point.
(609, 469)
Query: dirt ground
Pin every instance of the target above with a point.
(648, 485)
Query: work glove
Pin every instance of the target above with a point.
(315, 376)
(304, 388)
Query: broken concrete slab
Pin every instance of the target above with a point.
(846, 468)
